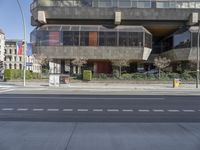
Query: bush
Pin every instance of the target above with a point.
(10, 74)
(116, 73)
(126, 76)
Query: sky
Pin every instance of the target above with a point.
(11, 20)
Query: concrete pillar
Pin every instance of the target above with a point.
(74, 69)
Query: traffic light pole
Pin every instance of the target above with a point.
(24, 41)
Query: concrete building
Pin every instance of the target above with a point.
(2, 45)
(14, 61)
(106, 30)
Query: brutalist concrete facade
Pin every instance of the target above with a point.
(160, 22)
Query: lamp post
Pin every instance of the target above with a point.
(24, 41)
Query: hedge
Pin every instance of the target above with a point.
(10, 74)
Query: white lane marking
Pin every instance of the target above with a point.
(52, 109)
(67, 110)
(6, 90)
(144, 110)
(158, 110)
(38, 109)
(22, 109)
(113, 110)
(82, 110)
(127, 110)
(188, 110)
(7, 109)
(173, 110)
(86, 98)
(97, 110)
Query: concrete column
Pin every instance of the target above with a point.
(74, 69)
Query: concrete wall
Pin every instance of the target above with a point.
(144, 15)
(102, 53)
(184, 54)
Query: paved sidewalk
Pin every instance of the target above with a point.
(101, 86)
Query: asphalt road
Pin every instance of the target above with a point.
(99, 108)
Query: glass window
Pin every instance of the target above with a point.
(167, 44)
(194, 39)
(124, 3)
(197, 4)
(143, 4)
(162, 5)
(71, 38)
(84, 38)
(42, 38)
(104, 3)
(182, 40)
(191, 4)
(123, 38)
(107, 38)
(148, 40)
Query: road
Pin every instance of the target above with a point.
(99, 108)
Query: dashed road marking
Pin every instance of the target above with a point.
(127, 110)
(173, 110)
(113, 110)
(67, 110)
(144, 110)
(97, 110)
(52, 109)
(188, 110)
(38, 109)
(7, 109)
(22, 109)
(158, 110)
(82, 110)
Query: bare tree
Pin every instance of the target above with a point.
(79, 62)
(42, 60)
(120, 63)
(161, 63)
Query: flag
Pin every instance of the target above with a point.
(29, 49)
(19, 48)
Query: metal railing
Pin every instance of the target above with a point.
(119, 3)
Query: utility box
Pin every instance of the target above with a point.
(54, 80)
(64, 79)
(87, 75)
(176, 83)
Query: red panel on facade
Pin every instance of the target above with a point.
(93, 39)
(54, 38)
(104, 67)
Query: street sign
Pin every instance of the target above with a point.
(28, 64)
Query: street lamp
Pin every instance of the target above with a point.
(24, 41)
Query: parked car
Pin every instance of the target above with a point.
(153, 71)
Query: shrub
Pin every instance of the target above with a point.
(126, 76)
(116, 73)
(10, 74)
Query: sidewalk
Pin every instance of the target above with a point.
(100, 86)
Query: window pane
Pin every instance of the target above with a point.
(108, 39)
(182, 40)
(84, 38)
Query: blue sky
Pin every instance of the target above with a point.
(10, 18)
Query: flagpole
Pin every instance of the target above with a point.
(24, 41)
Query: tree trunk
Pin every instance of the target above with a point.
(159, 73)
(120, 71)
